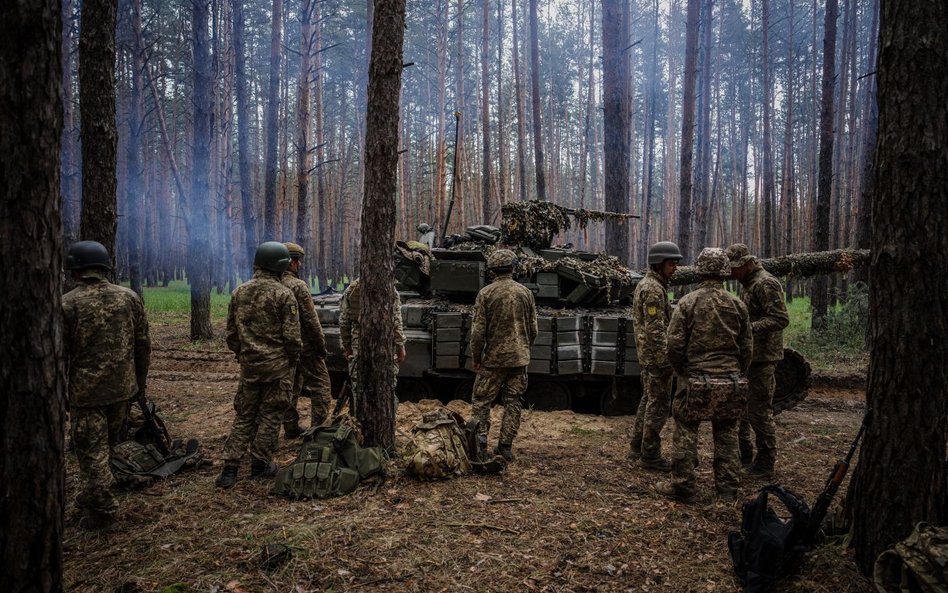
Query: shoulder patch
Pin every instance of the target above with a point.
(652, 310)
(293, 309)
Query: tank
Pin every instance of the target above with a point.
(584, 358)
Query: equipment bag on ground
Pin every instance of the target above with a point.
(134, 464)
(768, 547)
(438, 447)
(330, 463)
(918, 564)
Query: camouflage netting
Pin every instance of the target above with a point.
(533, 223)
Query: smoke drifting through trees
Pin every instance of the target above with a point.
(742, 95)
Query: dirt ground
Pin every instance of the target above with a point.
(569, 515)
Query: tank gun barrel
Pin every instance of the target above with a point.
(801, 265)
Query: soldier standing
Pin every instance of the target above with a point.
(263, 330)
(108, 353)
(425, 235)
(350, 329)
(709, 337)
(650, 315)
(763, 296)
(312, 376)
(504, 328)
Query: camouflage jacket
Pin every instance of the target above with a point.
(314, 342)
(349, 307)
(263, 327)
(505, 324)
(651, 312)
(763, 295)
(710, 333)
(106, 341)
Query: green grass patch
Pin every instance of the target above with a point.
(175, 300)
(840, 346)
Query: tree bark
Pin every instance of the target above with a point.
(870, 121)
(248, 210)
(615, 100)
(97, 122)
(485, 114)
(768, 149)
(687, 128)
(134, 189)
(32, 378)
(377, 414)
(535, 101)
(900, 478)
(648, 160)
(798, 265)
(303, 232)
(521, 126)
(819, 298)
(273, 112)
(199, 245)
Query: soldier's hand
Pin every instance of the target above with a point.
(402, 355)
(348, 353)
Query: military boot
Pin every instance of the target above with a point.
(635, 452)
(668, 490)
(658, 464)
(481, 452)
(504, 450)
(228, 477)
(292, 430)
(760, 471)
(95, 521)
(262, 469)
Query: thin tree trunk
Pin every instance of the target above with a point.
(247, 207)
(502, 148)
(521, 126)
(871, 123)
(273, 111)
(199, 265)
(535, 101)
(649, 153)
(687, 128)
(303, 161)
(134, 189)
(616, 125)
(485, 114)
(768, 158)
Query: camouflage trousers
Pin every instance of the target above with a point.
(95, 431)
(652, 412)
(509, 383)
(259, 407)
(760, 415)
(312, 381)
(727, 463)
(354, 383)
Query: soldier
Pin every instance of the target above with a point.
(763, 296)
(108, 353)
(263, 330)
(425, 235)
(505, 326)
(312, 376)
(650, 315)
(349, 330)
(709, 337)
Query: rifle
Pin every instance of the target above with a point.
(153, 430)
(821, 506)
(345, 394)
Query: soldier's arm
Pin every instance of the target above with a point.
(533, 318)
(233, 338)
(309, 320)
(676, 342)
(775, 316)
(142, 344)
(397, 314)
(292, 341)
(745, 339)
(345, 322)
(652, 309)
(478, 329)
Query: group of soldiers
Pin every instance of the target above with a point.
(274, 330)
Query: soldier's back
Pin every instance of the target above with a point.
(258, 307)
(717, 320)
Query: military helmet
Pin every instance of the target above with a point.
(88, 254)
(739, 255)
(663, 250)
(296, 252)
(423, 227)
(500, 259)
(712, 261)
(272, 256)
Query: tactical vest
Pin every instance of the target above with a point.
(330, 463)
(134, 464)
(438, 447)
(918, 564)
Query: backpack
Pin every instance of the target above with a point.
(768, 547)
(918, 564)
(437, 450)
(135, 464)
(330, 463)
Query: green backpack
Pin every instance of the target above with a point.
(330, 463)
(134, 464)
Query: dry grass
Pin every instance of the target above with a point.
(569, 515)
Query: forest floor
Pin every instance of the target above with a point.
(569, 515)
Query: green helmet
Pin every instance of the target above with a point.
(661, 251)
(712, 261)
(272, 256)
(502, 259)
(88, 254)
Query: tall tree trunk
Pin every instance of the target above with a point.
(768, 156)
(687, 128)
(788, 171)
(97, 117)
(521, 126)
(199, 265)
(502, 147)
(648, 161)
(377, 414)
(322, 197)
(485, 114)
(134, 189)
(441, 159)
(32, 379)
(303, 162)
(901, 475)
(70, 163)
(820, 297)
(273, 112)
(535, 101)
(615, 102)
(247, 207)
(871, 123)
(702, 171)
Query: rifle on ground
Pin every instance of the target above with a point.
(823, 501)
(153, 430)
(345, 394)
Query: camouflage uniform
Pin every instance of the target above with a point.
(263, 330)
(709, 334)
(764, 298)
(311, 377)
(504, 328)
(108, 351)
(651, 312)
(349, 330)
